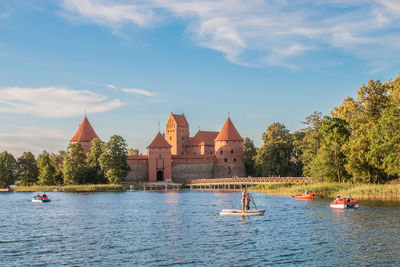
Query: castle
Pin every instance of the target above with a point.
(178, 157)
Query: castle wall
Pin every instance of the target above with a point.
(139, 170)
(186, 168)
(229, 170)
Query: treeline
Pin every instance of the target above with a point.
(105, 163)
(358, 142)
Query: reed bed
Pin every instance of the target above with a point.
(72, 188)
(358, 191)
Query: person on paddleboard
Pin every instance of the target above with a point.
(244, 199)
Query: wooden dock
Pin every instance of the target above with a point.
(242, 182)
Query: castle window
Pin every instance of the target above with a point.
(232, 151)
(159, 156)
(221, 152)
(170, 138)
(225, 160)
(234, 159)
(182, 138)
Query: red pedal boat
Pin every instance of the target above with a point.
(343, 203)
(309, 196)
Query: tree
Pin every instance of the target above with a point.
(384, 138)
(133, 151)
(361, 115)
(8, 169)
(330, 161)
(28, 171)
(57, 161)
(47, 172)
(310, 143)
(113, 159)
(92, 159)
(250, 153)
(276, 153)
(74, 169)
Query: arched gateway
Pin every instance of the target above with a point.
(160, 176)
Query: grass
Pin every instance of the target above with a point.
(358, 191)
(72, 188)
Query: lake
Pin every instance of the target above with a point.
(185, 228)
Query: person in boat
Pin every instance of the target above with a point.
(44, 196)
(349, 198)
(38, 196)
(337, 197)
(306, 193)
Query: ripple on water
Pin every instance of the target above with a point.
(152, 228)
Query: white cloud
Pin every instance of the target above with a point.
(255, 32)
(112, 86)
(138, 91)
(21, 139)
(53, 102)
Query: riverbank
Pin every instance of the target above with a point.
(331, 190)
(71, 188)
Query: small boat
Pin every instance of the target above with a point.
(242, 213)
(40, 199)
(342, 203)
(309, 196)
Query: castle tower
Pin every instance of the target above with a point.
(229, 151)
(84, 135)
(177, 133)
(160, 162)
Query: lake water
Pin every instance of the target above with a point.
(168, 228)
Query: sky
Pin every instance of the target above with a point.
(128, 63)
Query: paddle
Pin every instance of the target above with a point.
(252, 200)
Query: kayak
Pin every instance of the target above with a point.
(242, 213)
(40, 199)
(343, 204)
(309, 196)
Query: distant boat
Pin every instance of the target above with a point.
(309, 196)
(40, 199)
(344, 203)
(242, 213)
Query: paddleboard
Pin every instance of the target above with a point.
(241, 213)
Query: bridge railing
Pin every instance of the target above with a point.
(252, 180)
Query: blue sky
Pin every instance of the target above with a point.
(130, 63)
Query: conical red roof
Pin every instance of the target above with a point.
(159, 142)
(228, 132)
(85, 132)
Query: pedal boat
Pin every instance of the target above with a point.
(309, 196)
(242, 213)
(40, 199)
(343, 204)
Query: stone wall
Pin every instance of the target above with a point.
(183, 173)
(138, 173)
(229, 170)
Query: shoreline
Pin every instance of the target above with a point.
(387, 192)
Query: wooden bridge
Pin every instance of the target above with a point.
(239, 183)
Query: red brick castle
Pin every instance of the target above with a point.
(178, 157)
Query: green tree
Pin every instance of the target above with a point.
(276, 153)
(57, 160)
(297, 168)
(47, 172)
(92, 159)
(384, 151)
(113, 159)
(250, 153)
(330, 161)
(310, 143)
(8, 169)
(361, 115)
(74, 169)
(28, 171)
(133, 151)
